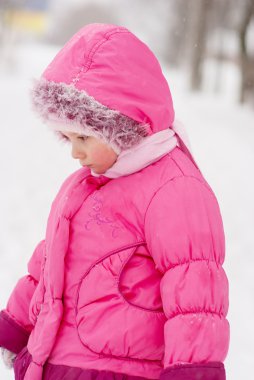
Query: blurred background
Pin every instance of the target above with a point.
(206, 50)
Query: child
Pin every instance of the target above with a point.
(128, 281)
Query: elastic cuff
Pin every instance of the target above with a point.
(195, 371)
(12, 336)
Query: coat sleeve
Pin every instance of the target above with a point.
(185, 236)
(15, 326)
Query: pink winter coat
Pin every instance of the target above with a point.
(128, 280)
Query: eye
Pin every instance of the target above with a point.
(62, 137)
(83, 138)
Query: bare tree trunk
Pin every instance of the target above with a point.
(246, 62)
(221, 11)
(199, 10)
(177, 30)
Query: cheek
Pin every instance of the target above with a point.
(101, 155)
(105, 157)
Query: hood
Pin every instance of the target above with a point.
(105, 74)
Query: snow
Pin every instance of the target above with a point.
(34, 164)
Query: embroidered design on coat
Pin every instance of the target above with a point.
(97, 217)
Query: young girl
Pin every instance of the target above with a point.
(128, 282)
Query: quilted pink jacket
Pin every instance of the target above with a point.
(128, 280)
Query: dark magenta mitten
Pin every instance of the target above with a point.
(12, 336)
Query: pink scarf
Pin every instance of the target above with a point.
(151, 149)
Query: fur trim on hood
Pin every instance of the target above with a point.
(67, 108)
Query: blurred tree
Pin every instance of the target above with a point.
(7, 33)
(204, 30)
(246, 59)
(198, 38)
(219, 25)
(19, 21)
(177, 27)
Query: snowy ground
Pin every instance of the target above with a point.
(34, 164)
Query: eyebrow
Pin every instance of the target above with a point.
(63, 135)
(78, 134)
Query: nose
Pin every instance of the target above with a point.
(77, 153)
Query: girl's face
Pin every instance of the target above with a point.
(91, 152)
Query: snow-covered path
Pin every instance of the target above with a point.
(33, 165)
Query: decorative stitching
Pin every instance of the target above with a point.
(105, 38)
(86, 66)
(97, 217)
(77, 77)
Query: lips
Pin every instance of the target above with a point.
(82, 164)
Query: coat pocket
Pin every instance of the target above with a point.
(107, 322)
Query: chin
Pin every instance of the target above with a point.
(97, 171)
